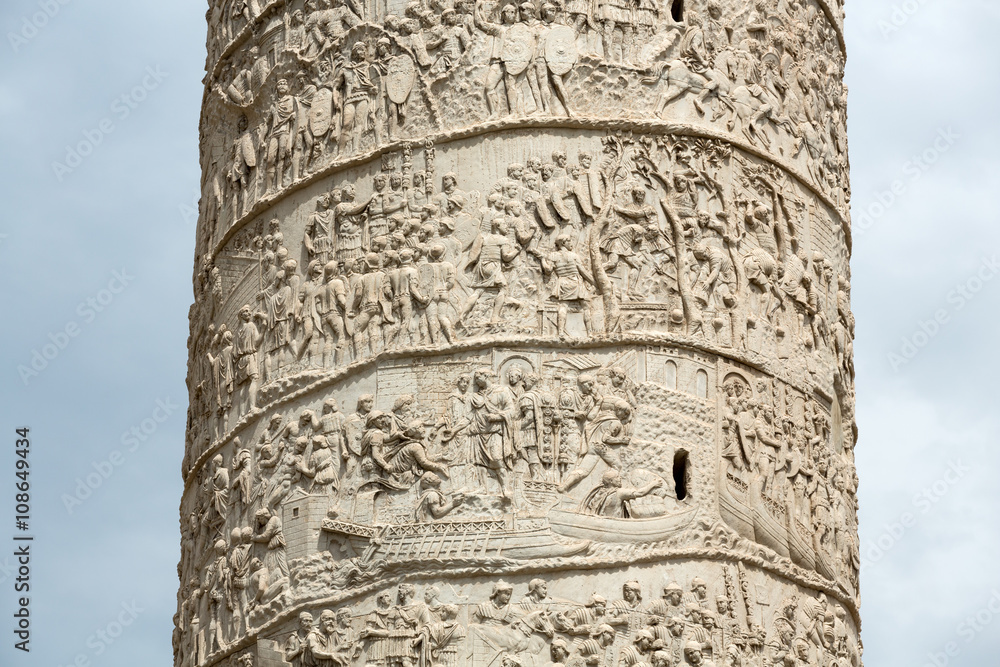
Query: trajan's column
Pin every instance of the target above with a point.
(521, 337)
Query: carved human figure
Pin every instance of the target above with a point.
(243, 174)
(354, 429)
(443, 280)
(356, 92)
(349, 222)
(488, 256)
(611, 498)
(371, 306)
(280, 125)
(223, 373)
(319, 232)
(247, 348)
(572, 275)
(405, 453)
(297, 643)
(492, 430)
(498, 71)
(440, 637)
(268, 533)
(608, 428)
(432, 503)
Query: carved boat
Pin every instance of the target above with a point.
(632, 531)
(505, 537)
(823, 565)
(734, 505)
(769, 521)
(800, 548)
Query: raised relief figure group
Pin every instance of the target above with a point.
(679, 627)
(692, 238)
(329, 81)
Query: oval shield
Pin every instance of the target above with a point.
(518, 48)
(560, 49)
(399, 78)
(321, 112)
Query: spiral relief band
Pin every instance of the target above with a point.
(522, 337)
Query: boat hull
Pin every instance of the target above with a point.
(630, 531)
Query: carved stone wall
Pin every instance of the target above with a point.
(521, 337)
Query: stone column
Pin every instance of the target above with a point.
(522, 337)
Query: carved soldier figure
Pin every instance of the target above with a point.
(223, 374)
(247, 347)
(372, 306)
(405, 285)
(618, 30)
(531, 429)
(331, 306)
(499, 611)
(571, 275)
(451, 40)
(404, 453)
(440, 637)
(498, 71)
(244, 170)
(443, 280)
(349, 221)
(239, 568)
(318, 238)
(488, 255)
(355, 88)
(280, 134)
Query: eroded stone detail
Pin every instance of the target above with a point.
(522, 336)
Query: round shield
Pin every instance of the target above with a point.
(518, 48)
(321, 112)
(560, 49)
(399, 78)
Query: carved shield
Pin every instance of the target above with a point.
(321, 112)
(466, 230)
(518, 48)
(560, 49)
(399, 78)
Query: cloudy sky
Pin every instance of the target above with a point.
(96, 248)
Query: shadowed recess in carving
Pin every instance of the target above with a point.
(681, 474)
(677, 10)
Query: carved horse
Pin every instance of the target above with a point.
(682, 80)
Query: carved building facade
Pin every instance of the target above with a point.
(521, 337)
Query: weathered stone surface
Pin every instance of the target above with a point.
(522, 337)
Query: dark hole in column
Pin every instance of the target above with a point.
(677, 10)
(681, 474)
